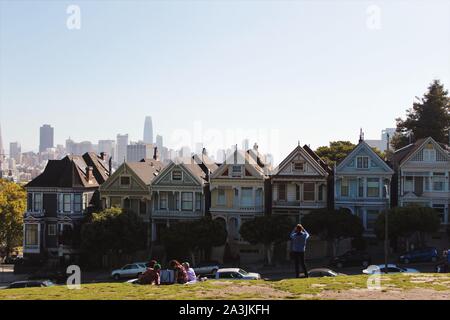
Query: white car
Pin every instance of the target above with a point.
(204, 268)
(131, 270)
(392, 268)
(236, 274)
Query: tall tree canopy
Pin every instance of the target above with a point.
(337, 151)
(428, 117)
(404, 222)
(183, 238)
(333, 225)
(113, 231)
(12, 208)
(266, 230)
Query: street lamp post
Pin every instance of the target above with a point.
(386, 230)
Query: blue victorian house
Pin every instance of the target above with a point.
(362, 184)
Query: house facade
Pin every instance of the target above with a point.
(129, 187)
(362, 184)
(422, 176)
(238, 195)
(300, 184)
(57, 201)
(181, 193)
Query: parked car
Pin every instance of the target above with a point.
(56, 276)
(206, 267)
(30, 284)
(131, 270)
(392, 268)
(323, 272)
(236, 274)
(13, 259)
(352, 258)
(420, 255)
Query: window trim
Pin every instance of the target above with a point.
(51, 227)
(363, 158)
(122, 185)
(177, 171)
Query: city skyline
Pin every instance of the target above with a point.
(353, 75)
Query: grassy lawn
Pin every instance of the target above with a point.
(420, 286)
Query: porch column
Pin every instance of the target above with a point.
(193, 201)
(179, 201)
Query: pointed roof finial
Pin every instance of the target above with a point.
(299, 143)
(361, 135)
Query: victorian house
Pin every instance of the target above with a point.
(238, 195)
(181, 193)
(129, 187)
(422, 176)
(362, 184)
(57, 201)
(301, 183)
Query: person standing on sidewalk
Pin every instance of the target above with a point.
(298, 244)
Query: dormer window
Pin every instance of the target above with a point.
(299, 166)
(177, 175)
(362, 162)
(429, 153)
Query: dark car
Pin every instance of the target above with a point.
(30, 284)
(352, 258)
(323, 272)
(420, 255)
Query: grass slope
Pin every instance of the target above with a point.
(424, 286)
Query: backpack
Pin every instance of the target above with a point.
(167, 276)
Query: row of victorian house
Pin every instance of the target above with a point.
(235, 191)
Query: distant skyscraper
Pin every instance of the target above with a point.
(245, 144)
(15, 151)
(46, 137)
(138, 151)
(159, 142)
(106, 146)
(148, 130)
(121, 149)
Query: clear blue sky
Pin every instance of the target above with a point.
(310, 70)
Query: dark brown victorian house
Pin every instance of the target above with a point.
(57, 201)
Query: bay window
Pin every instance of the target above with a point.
(344, 188)
(247, 197)
(37, 202)
(373, 187)
(77, 202)
(308, 191)
(31, 234)
(67, 202)
(438, 181)
(186, 201)
(282, 191)
(198, 201)
(221, 199)
(163, 200)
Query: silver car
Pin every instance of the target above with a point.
(131, 270)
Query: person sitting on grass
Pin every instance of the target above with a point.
(180, 274)
(191, 276)
(151, 275)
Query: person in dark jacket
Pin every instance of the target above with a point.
(298, 244)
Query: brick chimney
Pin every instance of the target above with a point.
(89, 173)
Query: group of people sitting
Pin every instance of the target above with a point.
(177, 273)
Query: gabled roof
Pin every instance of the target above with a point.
(146, 169)
(363, 145)
(71, 172)
(248, 158)
(404, 154)
(310, 156)
(199, 168)
(319, 160)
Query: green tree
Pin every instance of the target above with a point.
(182, 239)
(404, 222)
(337, 151)
(12, 208)
(333, 226)
(114, 231)
(266, 230)
(428, 117)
